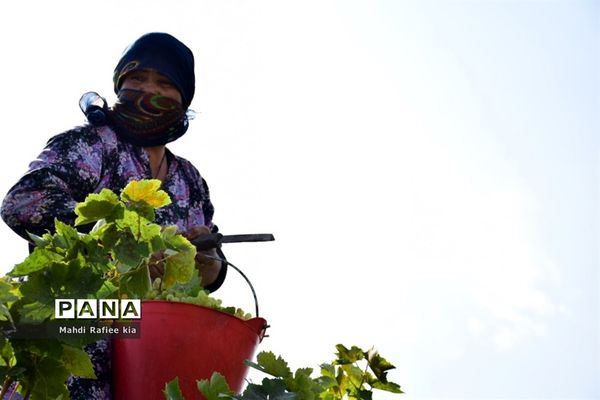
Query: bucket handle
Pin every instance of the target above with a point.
(214, 240)
(245, 278)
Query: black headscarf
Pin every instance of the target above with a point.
(165, 54)
(146, 119)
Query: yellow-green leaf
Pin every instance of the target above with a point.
(146, 191)
(179, 268)
(77, 362)
(96, 206)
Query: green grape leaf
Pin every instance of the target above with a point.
(349, 356)
(157, 244)
(272, 365)
(146, 191)
(36, 288)
(108, 290)
(38, 241)
(179, 267)
(5, 314)
(354, 374)
(179, 243)
(169, 231)
(7, 292)
(269, 389)
(149, 231)
(132, 221)
(95, 257)
(215, 389)
(36, 312)
(96, 206)
(108, 235)
(328, 370)
(172, 390)
(388, 387)
(49, 379)
(191, 288)
(36, 261)
(7, 354)
(306, 387)
(379, 365)
(78, 362)
(129, 251)
(67, 234)
(137, 284)
(78, 280)
(328, 395)
(364, 394)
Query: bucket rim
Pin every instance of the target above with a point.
(247, 323)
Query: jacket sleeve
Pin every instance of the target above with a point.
(67, 170)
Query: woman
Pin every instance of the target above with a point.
(155, 83)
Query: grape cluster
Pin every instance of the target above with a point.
(193, 294)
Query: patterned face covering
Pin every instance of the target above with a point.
(146, 119)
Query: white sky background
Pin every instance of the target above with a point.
(429, 169)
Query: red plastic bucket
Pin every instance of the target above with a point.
(186, 341)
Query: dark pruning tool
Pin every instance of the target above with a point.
(214, 240)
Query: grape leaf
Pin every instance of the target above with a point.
(328, 370)
(172, 390)
(49, 382)
(38, 260)
(36, 312)
(388, 387)
(379, 365)
(7, 292)
(215, 389)
(354, 374)
(78, 362)
(67, 234)
(146, 191)
(36, 288)
(137, 284)
(38, 241)
(348, 356)
(129, 251)
(179, 268)
(178, 243)
(306, 387)
(132, 221)
(269, 389)
(7, 354)
(108, 290)
(96, 206)
(364, 394)
(272, 365)
(149, 231)
(169, 231)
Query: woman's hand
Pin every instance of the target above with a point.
(207, 265)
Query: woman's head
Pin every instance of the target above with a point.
(149, 60)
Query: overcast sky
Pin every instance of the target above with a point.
(428, 168)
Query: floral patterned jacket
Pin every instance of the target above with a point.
(87, 159)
